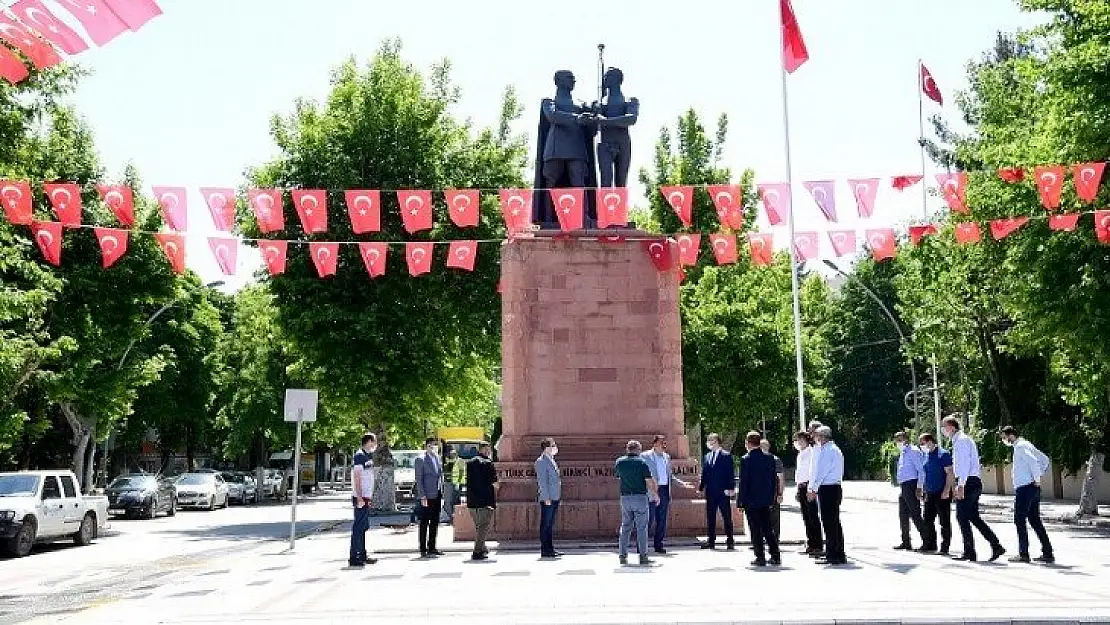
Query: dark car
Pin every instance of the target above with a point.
(141, 495)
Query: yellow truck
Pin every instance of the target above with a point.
(464, 440)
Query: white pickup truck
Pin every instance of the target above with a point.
(45, 506)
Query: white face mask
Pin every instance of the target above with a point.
(948, 432)
(434, 449)
(928, 448)
(799, 445)
(1007, 442)
(713, 445)
(554, 450)
(371, 449)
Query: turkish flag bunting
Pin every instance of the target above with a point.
(568, 208)
(226, 251)
(48, 234)
(728, 200)
(1050, 185)
(688, 247)
(662, 253)
(882, 243)
(221, 205)
(954, 188)
(794, 52)
(516, 208)
(173, 201)
(761, 246)
(968, 232)
(920, 232)
(38, 17)
(134, 13)
(365, 209)
(1088, 178)
(12, 68)
(1011, 174)
(121, 200)
(42, 54)
(612, 207)
(904, 182)
(102, 24)
(66, 200)
(865, 190)
(1065, 222)
(462, 254)
(724, 248)
(1102, 226)
(312, 208)
(929, 86)
(113, 244)
(805, 245)
(274, 254)
(173, 246)
(463, 205)
(374, 256)
(681, 201)
(843, 242)
(776, 201)
(16, 196)
(416, 210)
(1002, 228)
(824, 194)
(418, 256)
(268, 209)
(326, 258)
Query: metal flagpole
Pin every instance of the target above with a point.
(925, 216)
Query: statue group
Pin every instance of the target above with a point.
(566, 154)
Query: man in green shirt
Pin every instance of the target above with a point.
(637, 486)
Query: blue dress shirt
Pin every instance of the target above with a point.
(1029, 463)
(911, 465)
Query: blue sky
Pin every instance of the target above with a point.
(188, 98)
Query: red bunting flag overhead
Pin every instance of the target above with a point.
(416, 210)
(226, 251)
(462, 254)
(38, 17)
(724, 248)
(134, 13)
(904, 182)
(612, 207)
(113, 245)
(312, 208)
(1050, 185)
(729, 202)
(41, 53)
(776, 201)
(1102, 226)
(761, 246)
(968, 232)
(102, 24)
(1012, 175)
(221, 205)
(929, 86)
(805, 246)
(662, 253)
(688, 248)
(418, 256)
(374, 256)
(274, 254)
(66, 201)
(326, 258)
(365, 209)
(269, 212)
(1065, 222)
(516, 209)
(1088, 177)
(794, 52)
(681, 201)
(882, 243)
(865, 190)
(568, 208)
(824, 194)
(843, 242)
(173, 201)
(48, 235)
(917, 233)
(463, 205)
(954, 189)
(16, 197)
(1002, 228)
(121, 199)
(173, 246)
(12, 68)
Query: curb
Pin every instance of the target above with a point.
(1003, 509)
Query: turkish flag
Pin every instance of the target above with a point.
(954, 189)
(794, 51)
(1011, 174)
(364, 206)
(418, 256)
(226, 251)
(38, 17)
(1065, 222)
(16, 197)
(175, 208)
(568, 208)
(681, 201)
(326, 258)
(374, 256)
(929, 86)
(1050, 185)
(1002, 228)
(173, 246)
(824, 194)
(516, 208)
(724, 248)
(312, 208)
(221, 205)
(42, 54)
(462, 254)
(102, 24)
(805, 246)
(661, 252)
(113, 245)
(776, 201)
(612, 207)
(463, 205)
(728, 200)
(416, 210)
(904, 182)
(882, 243)
(761, 245)
(688, 248)
(1102, 226)
(66, 200)
(274, 254)
(843, 242)
(121, 199)
(134, 13)
(48, 235)
(920, 232)
(1088, 177)
(968, 232)
(12, 68)
(865, 190)
(268, 209)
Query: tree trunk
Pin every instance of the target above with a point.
(1088, 499)
(385, 489)
(990, 355)
(1057, 481)
(90, 468)
(82, 438)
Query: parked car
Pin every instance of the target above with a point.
(202, 490)
(44, 506)
(404, 474)
(141, 495)
(240, 487)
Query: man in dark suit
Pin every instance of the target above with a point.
(717, 482)
(429, 492)
(759, 490)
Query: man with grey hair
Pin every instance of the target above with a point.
(637, 486)
(825, 489)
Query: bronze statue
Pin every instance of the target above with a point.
(617, 114)
(564, 151)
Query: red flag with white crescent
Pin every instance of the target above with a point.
(568, 208)
(221, 205)
(463, 204)
(516, 208)
(1050, 185)
(326, 258)
(681, 200)
(1064, 222)
(16, 197)
(418, 256)
(968, 232)
(882, 243)
(226, 251)
(612, 207)
(374, 256)
(776, 202)
(843, 242)
(761, 245)
(274, 254)
(1088, 178)
(661, 252)
(824, 194)
(1002, 228)
(929, 86)
(805, 246)
(268, 209)
(34, 14)
(312, 208)
(48, 235)
(173, 202)
(416, 210)
(462, 254)
(794, 52)
(121, 199)
(42, 54)
(102, 24)
(364, 206)
(66, 201)
(12, 68)
(688, 247)
(173, 246)
(134, 13)
(865, 191)
(904, 182)
(113, 244)
(1102, 226)
(917, 233)
(728, 200)
(1011, 175)
(724, 248)
(954, 189)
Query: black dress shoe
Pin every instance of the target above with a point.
(1020, 558)
(775, 562)
(356, 563)
(925, 549)
(996, 552)
(478, 556)
(965, 557)
(436, 552)
(730, 547)
(1048, 559)
(660, 551)
(708, 546)
(903, 547)
(817, 554)
(943, 552)
(759, 563)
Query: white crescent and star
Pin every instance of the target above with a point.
(169, 200)
(685, 242)
(14, 194)
(418, 255)
(58, 192)
(611, 201)
(419, 201)
(170, 248)
(1049, 178)
(566, 201)
(45, 237)
(721, 244)
(264, 203)
(759, 243)
(1105, 222)
(656, 249)
(114, 199)
(1087, 174)
(462, 252)
(515, 200)
(51, 24)
(839, 238)
(109, 244)
(272, 253)
(723, 200)
(372, 256)
(309, 199)
(217, 200)
(877, 241)
(677, 199)
(9, 29)
(323, 253)
(461, 202)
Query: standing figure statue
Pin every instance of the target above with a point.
(614, 152)
(564, 151)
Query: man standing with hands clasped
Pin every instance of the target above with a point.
(911, 481)
(939, 483)
(1029, 466)
(429, 490)
(717, 482)
(481, 497)
(550, 484)
(362, 490)
(759, 490)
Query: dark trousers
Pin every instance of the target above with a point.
(936, 507)
(358, 532)
(657, 516)
(759, 522)
(429, 523)
(1027, 507)
(909, 509)
(811, 518)
(547, 527)
(828, 502)
(718, 502)
(967, 515)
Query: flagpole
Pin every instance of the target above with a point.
(925, 217)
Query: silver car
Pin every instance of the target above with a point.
(202, 490)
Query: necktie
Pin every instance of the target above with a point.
(713, 460)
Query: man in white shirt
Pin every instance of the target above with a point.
(362, 491)
(824, 488)
(815, 545)
(659, 461)
(1029, 466)
(969, 486)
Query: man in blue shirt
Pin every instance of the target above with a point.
(911, 478)
(1029, 466)
(939, 480)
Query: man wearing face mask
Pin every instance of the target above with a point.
(551, 485)
(429, 491)
(1029, 466)
(362, 490)
(815, 544)
(969, 486)
(718, 483)
(939, 482)
(825, 488)
(911, 481)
